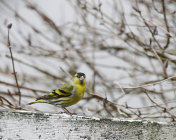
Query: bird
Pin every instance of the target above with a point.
(67, 95)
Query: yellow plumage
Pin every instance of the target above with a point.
(68, 94)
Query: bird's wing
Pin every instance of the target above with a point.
(63, 91)
(66, 89)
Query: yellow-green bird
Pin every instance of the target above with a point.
(67, 95)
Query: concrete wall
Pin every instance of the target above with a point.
(20, 125)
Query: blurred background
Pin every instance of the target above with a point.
(126, 48)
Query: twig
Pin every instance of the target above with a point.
(166, 23)
(146, 85)
(10, 104)
(13, 65)
(160, 61)
(37, 68)
(23, 87)
(148, 26)
(165, 109)
(67, 73)
(105, 106)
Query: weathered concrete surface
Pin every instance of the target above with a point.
(20, 125)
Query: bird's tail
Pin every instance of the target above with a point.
(37, 101)
(31, 103)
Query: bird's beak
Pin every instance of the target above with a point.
(81, 79)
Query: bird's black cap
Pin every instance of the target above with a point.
(79, 74)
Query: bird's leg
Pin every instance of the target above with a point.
(66, 111)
